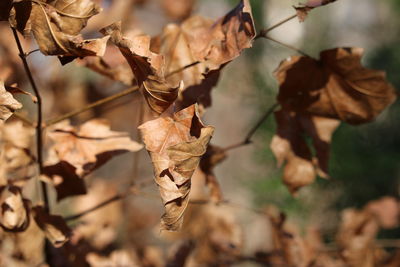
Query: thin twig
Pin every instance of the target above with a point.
(24, 119)
(39, 138)
(247, 139)
(287, 46)
(31, 52)
(133, 190)
(182, 69)
(92, 105)
(264, 32)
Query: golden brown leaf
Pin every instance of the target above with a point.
(176, 145)
(77, 152)
(290, 146)
(7, 103)
(90, 146)
(146, 66)
(303, 9)
(56, 25)
(335, 86)
(14, 211)
(54, 227)
(209, 46)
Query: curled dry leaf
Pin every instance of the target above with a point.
(176, 145)
(14, 216)
(359, 228)
(54, 227)
(7, 103)
(147, 68)
(289, 145)
(78, 152)
(335, 86)
(56, 25)
(208, 46)
(303, 9)
(178, 9)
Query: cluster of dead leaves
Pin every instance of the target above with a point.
(56, 26)
(315, 96)
(356, 243)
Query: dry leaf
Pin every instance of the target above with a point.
(14, 216)
(147, 68)
(212, 44)
(303, 9)
(53, 226)
(335, 86)
(176, 145)
(90, 146)
(65, 180)
(77, 152)
(56, 25)
(289, 145)
(214, 156)
(178, 9)
(5, 8)
(7, 104)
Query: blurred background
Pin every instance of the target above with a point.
(365, 160)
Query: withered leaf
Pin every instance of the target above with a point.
(88, 147)
(54, 227)
(176, 145)
(56, 25)
(66, 182)
(335, 86)
(14, 210)
(7, 103)
(5, 8)
(303, 9)
(147, 68)
(214, 156)
(289, 145)
(211, 44)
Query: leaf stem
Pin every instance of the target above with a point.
(92, 105)
(39, 137)
(182, 69)
(264, 32)
(287, 46)
(247, 139)
(24, 119)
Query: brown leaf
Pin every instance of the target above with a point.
(178, 9)
(386, 211)
(289, 145)
(54, 227)
(212, 44)
(303, 9)
(65, 180)
(176, 145)
(214, 156)
(7, 104)
(335, 86)
(146, 66)
(88, 147)
(14, 216)
(5, 8)
(56, 25)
